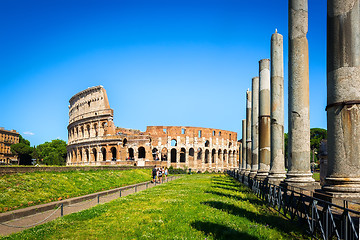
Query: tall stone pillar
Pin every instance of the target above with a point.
(248, 132)
(277, 163)
(343, 99)
(169, 157)
(178, 158)
(299, 173)
(187, 157)
(240, 156)
(264, 119)
(203, 160)
(255, 128)
(243, 166)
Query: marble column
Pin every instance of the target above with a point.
(299, 173)
(240, 156)
(343, 99)
(243, 166)
(248, 132)
(264, 119)
(277, 163)
(255, 127)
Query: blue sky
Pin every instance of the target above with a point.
(185, 63)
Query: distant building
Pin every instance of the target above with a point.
(7, 138)
(93, 139)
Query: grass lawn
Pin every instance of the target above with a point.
(200, 206)
(316, 176)
(26, 189)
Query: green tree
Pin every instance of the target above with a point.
(52, 153)
(23, 150)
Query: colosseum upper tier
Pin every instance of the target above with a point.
(93, 139)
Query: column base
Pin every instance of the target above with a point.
(276, 177)
(295, 179)
(252, 174)
(339, 187)
(247, 172)
(261, 175)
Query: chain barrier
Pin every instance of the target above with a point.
(34, 224)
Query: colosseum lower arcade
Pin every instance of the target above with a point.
(93, 139)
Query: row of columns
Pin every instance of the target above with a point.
(265, 112)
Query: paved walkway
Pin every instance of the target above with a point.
(71, 205)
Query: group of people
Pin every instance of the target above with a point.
(159, 173)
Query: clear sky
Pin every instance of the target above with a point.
(170, 62)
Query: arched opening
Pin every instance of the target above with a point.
(124, 142)
(182, 155)
(103, 151)
(230, 144)
(80, 154)
(96, 130)
(173, 143)
(87, 155)
(164, 154)
(199, 154)
(141, 152)
(131, 154)
(229, 157)
(207, 156)
(155, 154)
(113, 153)
(224, 155)
(88, 130)
(173, 155)
(207, 143)
(94, 154)
(82, 131)
(191, 152)
(213, 156)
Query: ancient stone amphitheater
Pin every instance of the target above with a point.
(93, 139)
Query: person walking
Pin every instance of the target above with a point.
(154, 172)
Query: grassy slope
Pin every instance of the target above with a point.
(193, 207)
(26, 189)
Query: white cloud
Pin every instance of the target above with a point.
(29, 133)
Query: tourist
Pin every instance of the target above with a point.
(154, 172)
(160, 174)
(166, 172)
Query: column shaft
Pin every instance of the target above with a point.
(277, 163)
(255, 127)
(299, 173)
(243, 166)
(248, 132)
(264, 119)
(343, 95)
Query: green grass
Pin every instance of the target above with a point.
(193, 207)
(26, 189)
(316, 176)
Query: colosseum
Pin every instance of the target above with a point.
(93, 139)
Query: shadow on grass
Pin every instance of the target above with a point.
(254, 201)
(219, 231)
(277, 222)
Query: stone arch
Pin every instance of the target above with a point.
(224, 155)
(87, 155)
(141, 152)
(173, 155)
(113, 153)
(230, 144)
(182, 155)
(124, 142)
(207, 143)
(88, 130)
(192, 153)
(219, 154)
(103, 152)
(207, 152)
(95, 129)
(131, 154)
(173, 143)
(82, 132)
(81, 156)
(229, 157)
(199, 154)
(155, 152)
(94, 153)
(213, 152)
(164, 154)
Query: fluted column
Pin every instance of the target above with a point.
(248, 132)
(255, 127)
(343, 99)
(243, 167)
(277, 163)
(264, 119)
(299, 173)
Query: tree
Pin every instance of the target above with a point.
(23, 150)
(52, 153)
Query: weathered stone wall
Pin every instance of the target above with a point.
(94, 140)
(7, 138)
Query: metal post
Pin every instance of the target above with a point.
(98, 197)
(120, 192)
(62, 209)
(135, 188)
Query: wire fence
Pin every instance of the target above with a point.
(101, 197)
